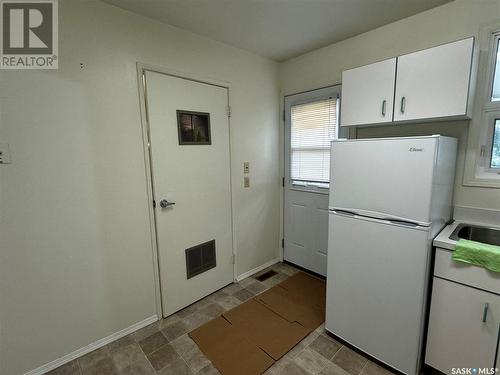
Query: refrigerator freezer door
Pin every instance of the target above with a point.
(392, 177)
(376, 288)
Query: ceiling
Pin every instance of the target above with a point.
(277, 29)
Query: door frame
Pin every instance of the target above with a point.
(145, 129)
(305, 97)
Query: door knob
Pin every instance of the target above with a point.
(164, 203)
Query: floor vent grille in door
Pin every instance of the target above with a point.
(200, 258)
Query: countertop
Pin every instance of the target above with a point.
(443, 239)
(466, 215)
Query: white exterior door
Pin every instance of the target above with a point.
(196, 177)
(306, 187)
(368, 93)
(434, 82)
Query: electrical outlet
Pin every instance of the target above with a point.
(246, 182)
(246, 167)
(4, 153)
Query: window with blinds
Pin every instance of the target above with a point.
(313, 126)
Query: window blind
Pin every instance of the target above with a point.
(313, 126)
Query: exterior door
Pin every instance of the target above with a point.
(311, 121)
(189, 140)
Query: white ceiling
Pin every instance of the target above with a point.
(278, 29)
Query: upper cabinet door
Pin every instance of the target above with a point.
(368, 94)
(434, 83)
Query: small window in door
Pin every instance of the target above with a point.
(193, 128)
(313, 126)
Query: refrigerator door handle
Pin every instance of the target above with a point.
(402, 222)
(398, 223)
(378, 215)
(343, 212)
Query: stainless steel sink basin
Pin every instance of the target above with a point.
(476, 233)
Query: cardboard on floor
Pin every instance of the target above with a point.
(249, 338)
(266, 329)
(229, 350)
(307, 288)
(283, 303)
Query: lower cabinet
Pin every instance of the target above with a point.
(463, 327)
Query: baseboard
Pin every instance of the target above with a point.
(257, 269)
(93, 346)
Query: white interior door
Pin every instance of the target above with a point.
(196, 177)
(306, 183)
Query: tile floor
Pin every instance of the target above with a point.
(164, 348)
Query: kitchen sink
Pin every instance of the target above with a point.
(476, 233)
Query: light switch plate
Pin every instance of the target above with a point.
(5, 154)
(246, 182)
(246, 167)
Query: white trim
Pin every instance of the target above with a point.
(493, 57)
(258, 269)
(477, 129)
(483, 165)
(184, 75)
(231, 189)
(91, 347)
(149, 179)
(281, 121)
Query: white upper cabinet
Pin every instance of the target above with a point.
(368, 94)
(434, 83)
(422, 86)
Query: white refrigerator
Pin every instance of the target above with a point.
(388, 199)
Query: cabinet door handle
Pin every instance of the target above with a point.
(383, 107)
(485, 311)
(403, 104)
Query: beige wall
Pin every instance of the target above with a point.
(452, 21)
(75, 250)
